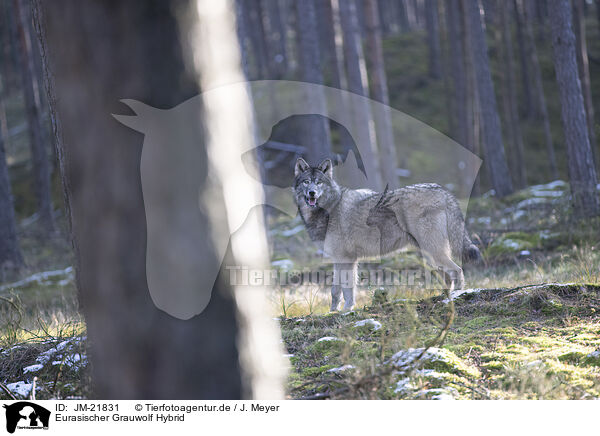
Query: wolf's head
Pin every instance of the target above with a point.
(314, 186)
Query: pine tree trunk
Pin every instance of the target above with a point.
(541, 110)
(276, 38)
(388, 159)
(472, 112)
(330, 61)
(582, 174)
(39, 156)
(509, 99)
(433, 38)
(526, 87)
(309, 59)
(10, 253)
(357, 83)
(492, 134)
(584, 69)
(137, 350)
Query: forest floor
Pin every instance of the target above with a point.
(527, 327)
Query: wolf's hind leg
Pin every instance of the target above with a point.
(344, 282)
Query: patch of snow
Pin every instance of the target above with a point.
(328, 339)
(455, 294)
(404, 357)
(369, 322)
(594, 355)
(286, 264)
(525, 253)
(541, 193)
(33, 368)
(341, 369)
(41, 278)
(509, 243)
(403, 385)
(350, 312)
(531, 202)
(518, 215)
(485, 220)
(21, 388)
(549, 186)
(292, 232)
(287, 356)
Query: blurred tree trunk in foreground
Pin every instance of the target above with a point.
(584, 68)
(509, 97)
(582, 173)
(356, 73)
(540, 108)
(388, 159)
(39, 156)
(495, 159)
(132, 50)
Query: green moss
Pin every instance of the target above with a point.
(316, 371)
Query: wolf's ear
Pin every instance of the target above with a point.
(327, 167)
(300, 167)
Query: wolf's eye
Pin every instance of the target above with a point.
(305, 182)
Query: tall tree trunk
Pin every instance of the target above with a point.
(541, 110)
(276, 38)
(584, 69)
(388, 159)
(310, 71)
(526, 87)
(472, 111)
(39, 156)
(458, 108)
(492, 133)
(582, 173)
(433, 38)
(357, 83)
(329, 57)
(509, 99)
(137, 350)
(10, 253)
(256, 32)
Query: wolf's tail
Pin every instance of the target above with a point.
(470, 251)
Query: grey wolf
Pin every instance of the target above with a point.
(355, 224)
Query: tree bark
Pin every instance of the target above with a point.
(509, 99)
(309, 58)
(276, 38)
(357, 83)
(584, 69)
(433, 38)
(526, 88)
(582, 173)
(541, 109)
(329, 57)
(388, 159)
(128, 49)
(492, 134)
(39, 156)
(10, 253)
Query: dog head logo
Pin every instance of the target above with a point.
(25, 414)
(178, 188)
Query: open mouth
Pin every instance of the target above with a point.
(312, 201)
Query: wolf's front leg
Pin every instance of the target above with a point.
(344, 282)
